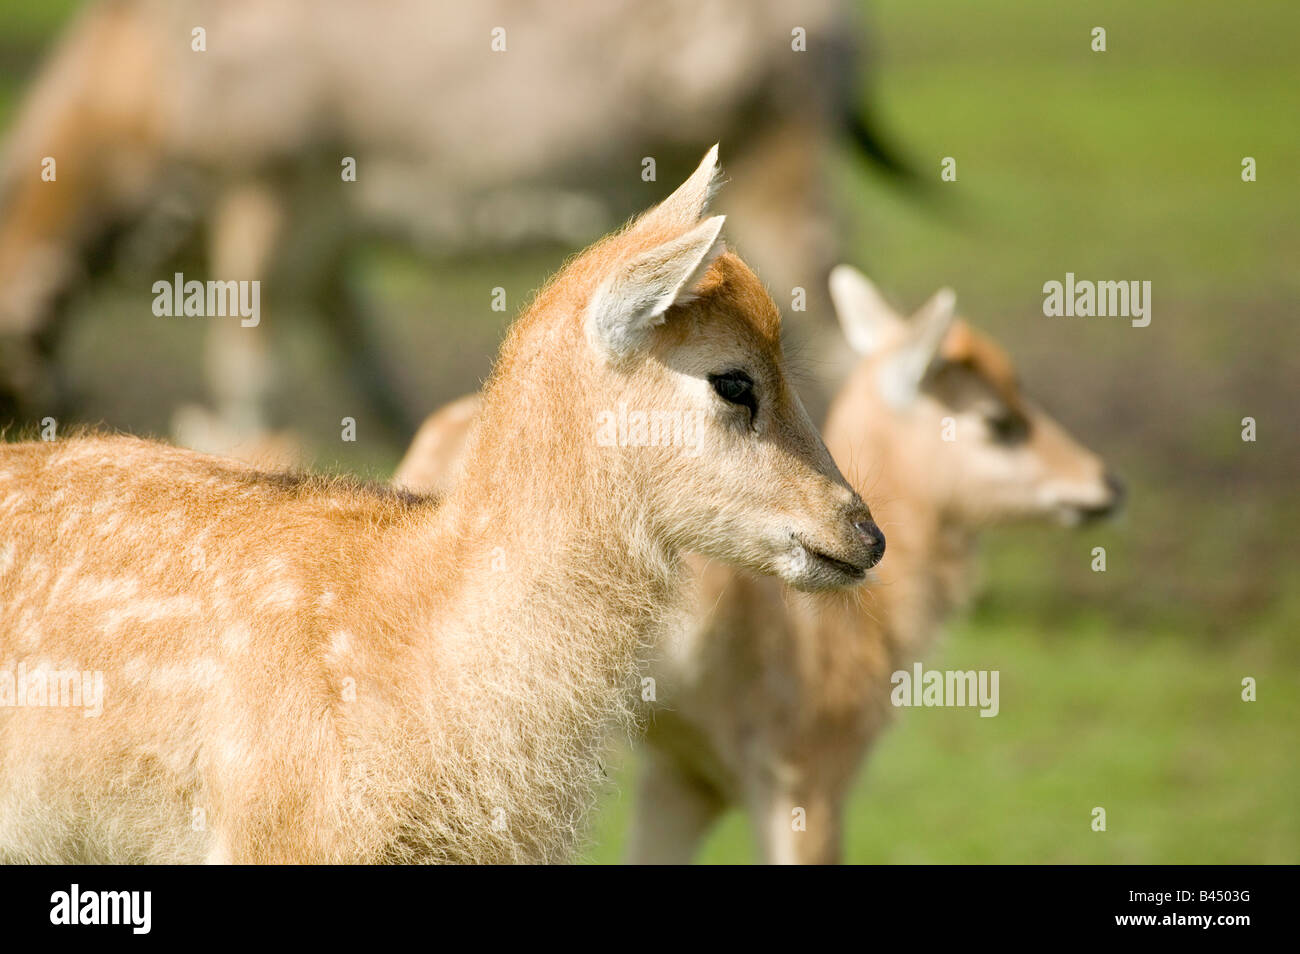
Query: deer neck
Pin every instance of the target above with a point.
(926, 571)
(530, 595)
(543, 542)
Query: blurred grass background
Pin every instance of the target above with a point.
(1119, 689)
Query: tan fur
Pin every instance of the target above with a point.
(771, 700)
(300, 669)
(430, 464)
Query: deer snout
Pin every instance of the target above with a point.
(872, 538)
(1111, 505)
(848, 546)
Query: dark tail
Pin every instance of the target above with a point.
(876, 149)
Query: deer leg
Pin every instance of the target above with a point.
(246, 229)
(347, 315)
(798, 826)
(674, 810)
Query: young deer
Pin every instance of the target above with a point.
(773, 698)
(776, 696)
(300, 669)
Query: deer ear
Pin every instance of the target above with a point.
(865, 316)
(635, 296)
(690, 200)
(902, 377)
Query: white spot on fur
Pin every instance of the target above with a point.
(136, 670)
(142, 610)
(340, 646)
(282, 595)
(201, 673)
(236, 639)
(205, 672)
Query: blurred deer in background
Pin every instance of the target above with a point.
(301, 669)
(431, 465)
(470, 124)
(772, 699)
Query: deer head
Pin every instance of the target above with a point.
(678, 387)
(946, 402)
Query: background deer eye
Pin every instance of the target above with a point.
(736, 387)
(1008, 428)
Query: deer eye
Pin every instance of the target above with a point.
(736, 387)
(1008, 427)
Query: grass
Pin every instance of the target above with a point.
(1152, 728)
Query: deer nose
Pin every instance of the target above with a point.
(1117, 491)
(1115, 487)
(872, 538)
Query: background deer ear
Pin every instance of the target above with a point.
(865, 316)
(635, 296)
(907, 367)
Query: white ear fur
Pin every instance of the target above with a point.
(634, 298)
(865, 316)
(690, 200)
(901, 378)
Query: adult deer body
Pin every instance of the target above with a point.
(773, 698)
(470, 124)
(299, 669)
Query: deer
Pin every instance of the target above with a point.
(303, 668)
(771, 699)
(431, 465)
(403, 121)
(807, 680)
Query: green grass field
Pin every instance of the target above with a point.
(1119, 689)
